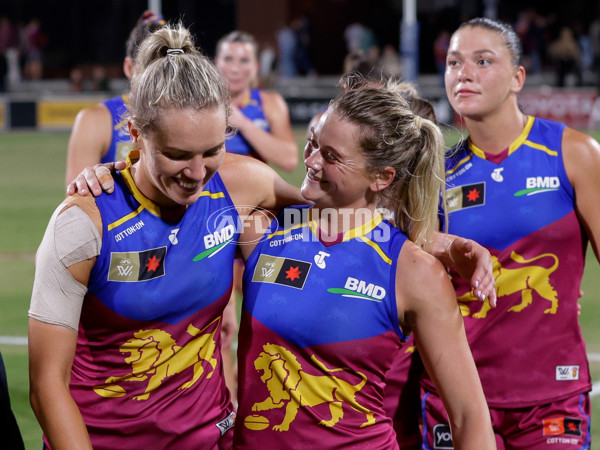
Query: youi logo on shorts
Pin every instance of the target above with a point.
(538, 185)
(360, 289)
(442, 437)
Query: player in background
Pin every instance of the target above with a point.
(332, 288)
(261, 118)
(100, 132)
(263, 130)
(527, 189)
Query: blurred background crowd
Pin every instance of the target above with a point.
(73, 46)
(82, 40)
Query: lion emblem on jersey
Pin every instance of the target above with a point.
(528, 279)
(291, 387)
(154, 355)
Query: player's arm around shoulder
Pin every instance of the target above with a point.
(89, 140)
(427, 306)
(581, 154)
(63, 264)
(253, 184)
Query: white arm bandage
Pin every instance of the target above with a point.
(71, 237)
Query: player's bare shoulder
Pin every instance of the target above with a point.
(581, 154)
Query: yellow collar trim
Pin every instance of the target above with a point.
(515, 145)
(144, 201)
(361, 230)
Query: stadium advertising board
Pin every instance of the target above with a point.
(578, 108)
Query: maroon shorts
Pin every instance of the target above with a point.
(560, 425)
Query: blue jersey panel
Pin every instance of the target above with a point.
(253, 110)
(312, 294)
(152, 269)
(531, 178)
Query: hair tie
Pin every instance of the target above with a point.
(175, 51)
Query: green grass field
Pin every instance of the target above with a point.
(31, 182)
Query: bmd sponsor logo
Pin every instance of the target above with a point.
(538, 185)
(215, 242)
(360, 289)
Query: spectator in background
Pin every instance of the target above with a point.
(529, 27)
(361, 39)
(266, 70)
(585, 48)
(33, 41)
(9, 37)
(301, 28)
(9, 44)
(76, 83)
(594, 34)
(389, 63)
(99, 82)
(286, 47)
(3, 70)
(440, 49)
(358, 62)
(566, 56)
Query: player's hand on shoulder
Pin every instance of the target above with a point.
(95, 179)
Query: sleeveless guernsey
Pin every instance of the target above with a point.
(147, 371)
(529, 349)
(319, 331)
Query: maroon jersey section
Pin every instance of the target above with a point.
(133, 380)
(536, 352)
(325, 396)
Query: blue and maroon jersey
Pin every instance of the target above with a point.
(521, 206)
(120, 144)
(319, 331)
(147, 371)
(253, 110)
